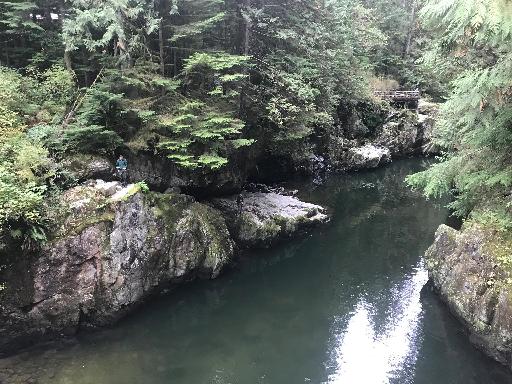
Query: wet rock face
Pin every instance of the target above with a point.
(467, 269)
(160, 173)
(258, 219)
(115, 248)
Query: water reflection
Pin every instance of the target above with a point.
(270, 320)
(365, 355)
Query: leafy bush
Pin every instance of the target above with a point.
(26, 172)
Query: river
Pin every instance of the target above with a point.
(344, 305)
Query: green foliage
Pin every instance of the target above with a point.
(475, 123)
(95, 24)
(9, 123)
(13, 16)
(48, 91)
(142, 186)
(91, 139)
(200, 136)
(216, 62)
(25, 170)
(197, 28)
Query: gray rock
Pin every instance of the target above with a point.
(368, 156)
(401, 134)
(109, 255)
(84, 167)
(264, 218)
(470, 271)
(410, 132)
(161, 173)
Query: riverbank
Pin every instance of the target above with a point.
(294, 312)
(117, 246)
(112, 248)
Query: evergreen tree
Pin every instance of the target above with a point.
(473, 47)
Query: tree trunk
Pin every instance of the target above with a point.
(410, 32)
(246, 48)
(247, 28)
(67, 61)
(161, 46)
(67, 55)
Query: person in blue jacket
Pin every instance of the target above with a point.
(121, 169)
(121, 163)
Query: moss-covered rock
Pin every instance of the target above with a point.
(472, 271)
(258, 219)
(114, 247)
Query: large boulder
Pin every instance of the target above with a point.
(472, 271)
(114, 247)
(401, 133)
(258, 219)
(161, 173)
(367, 156)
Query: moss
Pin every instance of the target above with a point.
(498, 245)
(253, 231)
(92, 208)
(215, 229)
(80, 226)
(167, 207)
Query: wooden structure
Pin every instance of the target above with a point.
(407, 99)
(399, 96)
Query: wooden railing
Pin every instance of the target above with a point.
(398, 95)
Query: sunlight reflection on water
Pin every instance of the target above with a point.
(363, 356)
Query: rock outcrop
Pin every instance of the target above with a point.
(368, 156)
(116, 246)
(84, 167)
(409, 132)
(402, 133)
(472, 271)
(161, 173)
(257, 219)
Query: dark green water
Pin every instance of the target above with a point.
(344, 305)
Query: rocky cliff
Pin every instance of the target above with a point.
(349, 145)
(472, 271)
(114, 247)
(402, 132)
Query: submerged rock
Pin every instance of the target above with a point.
(116, 246)
(258, 219)
(472, 272)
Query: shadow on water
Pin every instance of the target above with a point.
(339, 306)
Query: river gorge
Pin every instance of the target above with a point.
(346, 304)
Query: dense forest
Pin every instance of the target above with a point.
(208, 82)
(201, 83)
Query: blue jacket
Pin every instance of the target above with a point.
(123, 164)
